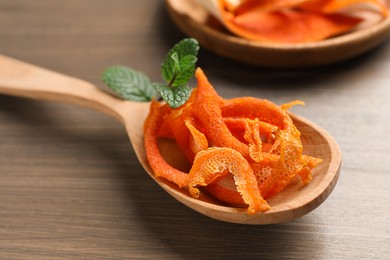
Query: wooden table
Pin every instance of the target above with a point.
(70, 183)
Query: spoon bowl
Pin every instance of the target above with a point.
(25, 80)
(196, 22)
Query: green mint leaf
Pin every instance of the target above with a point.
(187, 68)
(179, 65)
(177, 69)
(174, 96)
(128, 83)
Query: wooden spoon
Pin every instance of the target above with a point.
(196, 22)
(25, 80)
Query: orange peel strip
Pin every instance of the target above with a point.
(252, 136)
(289, 165)
(264, 110)
(213, 162)
(289, 105)
(159, 166)
(207, 105)
(238, 127)
(198, 141)
(174, 126)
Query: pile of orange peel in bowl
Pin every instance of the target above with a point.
(293, 21)
(242, 151)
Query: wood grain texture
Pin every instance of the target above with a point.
(71, 186)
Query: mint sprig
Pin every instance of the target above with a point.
(177, 69)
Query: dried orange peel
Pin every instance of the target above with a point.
(160, 167)
(210, 164)
(242, 150)
(292, 21)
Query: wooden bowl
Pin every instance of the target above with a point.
(195, 22)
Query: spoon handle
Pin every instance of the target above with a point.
(21, 79)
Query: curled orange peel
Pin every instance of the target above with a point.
(198, 141)
(252, 136)
(208, 106)
(159, 166)
(210, 164)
